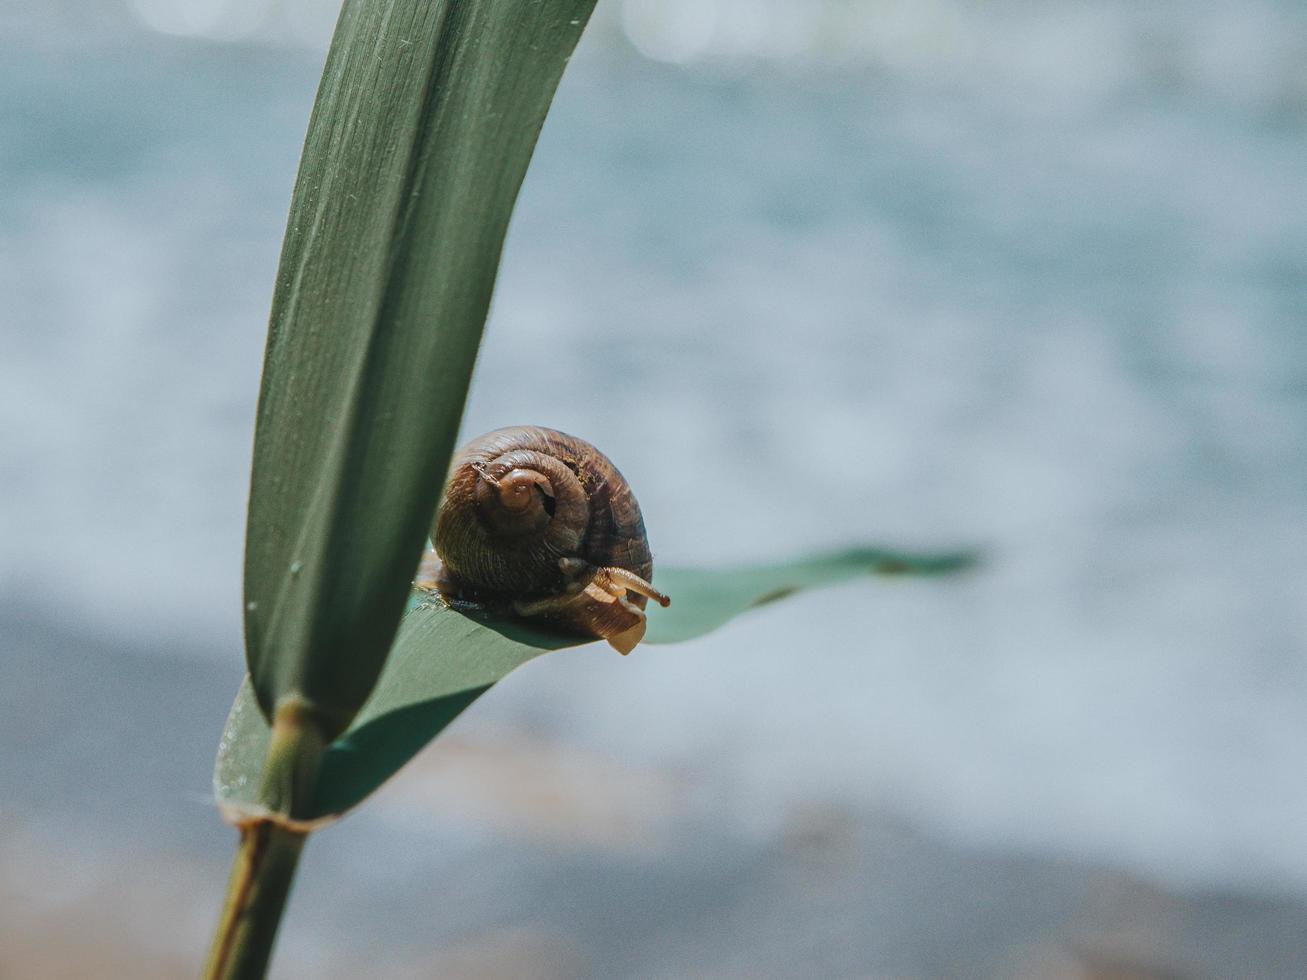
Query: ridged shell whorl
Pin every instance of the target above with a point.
(530, 513)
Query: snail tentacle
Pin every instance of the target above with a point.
(634, 583)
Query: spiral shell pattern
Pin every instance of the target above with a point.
(521, 500)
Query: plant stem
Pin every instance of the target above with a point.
(256, 896)
(270, 846)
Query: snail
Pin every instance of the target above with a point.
(542, 523)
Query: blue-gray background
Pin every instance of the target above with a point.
(928, 273)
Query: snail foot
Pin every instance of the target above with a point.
(597, 602)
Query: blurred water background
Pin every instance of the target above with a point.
(1027, 276)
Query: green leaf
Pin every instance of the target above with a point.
(444, 659)
(424, 123)
(708, 598)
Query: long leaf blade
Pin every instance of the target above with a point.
(443, 660)
(424, 124)
(709, 598)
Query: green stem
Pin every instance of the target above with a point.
(270, 846)
(256, 896)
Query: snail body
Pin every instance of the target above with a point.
(542, 522)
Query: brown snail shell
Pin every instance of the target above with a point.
(543, 523)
